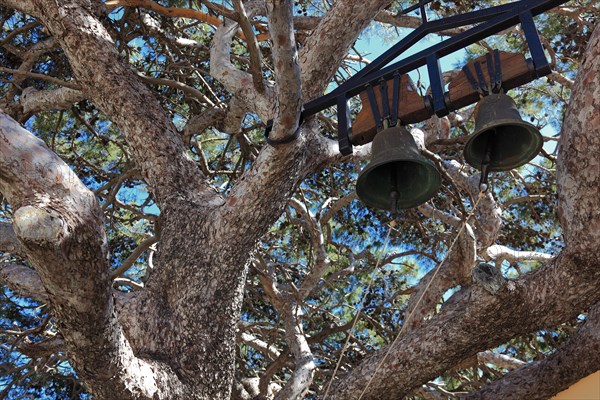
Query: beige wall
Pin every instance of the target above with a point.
(586, 389)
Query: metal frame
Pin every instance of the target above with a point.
(490, 21)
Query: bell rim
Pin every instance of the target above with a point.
(429, 194)
(530, 127)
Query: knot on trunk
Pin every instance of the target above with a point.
(37, 226)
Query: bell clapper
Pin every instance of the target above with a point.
(394, 191)
(485, 163)
(394, 201)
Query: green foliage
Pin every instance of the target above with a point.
(353, 238)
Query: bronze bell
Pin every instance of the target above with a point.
(398, 176)
(501, 136)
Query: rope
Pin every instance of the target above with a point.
(406, 321)
(360, 306)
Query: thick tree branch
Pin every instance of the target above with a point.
(34, 101)
(259, 345)
(9, 242)
(23, 280)
(500, 253)
(301, 379)
(43, 348)
(60, 226)
(320, 57)
(287, 70)
(575, 360)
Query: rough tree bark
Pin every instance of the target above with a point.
(187, 316)
(60, 227)
(578, 358)
(177, 338)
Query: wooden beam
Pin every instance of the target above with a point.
(412, 108)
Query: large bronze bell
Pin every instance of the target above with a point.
(398, 176)
(501, 138)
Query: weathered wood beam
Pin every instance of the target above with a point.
(412, 107)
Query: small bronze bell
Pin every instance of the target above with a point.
(398, 176)
(501, 136)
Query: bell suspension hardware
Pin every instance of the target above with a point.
(398, 176)
(482, 82)
(384, 101)
(438, 102)
(494, 68)
(395, 99)
(286, 140)
(486, 22)
(374, 108)
(540, 63)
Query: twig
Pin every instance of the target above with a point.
(35, 75)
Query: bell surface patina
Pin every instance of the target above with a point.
(398, 176)
(512, 142)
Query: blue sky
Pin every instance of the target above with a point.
(374, 45)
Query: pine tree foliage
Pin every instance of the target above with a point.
(323, 256)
